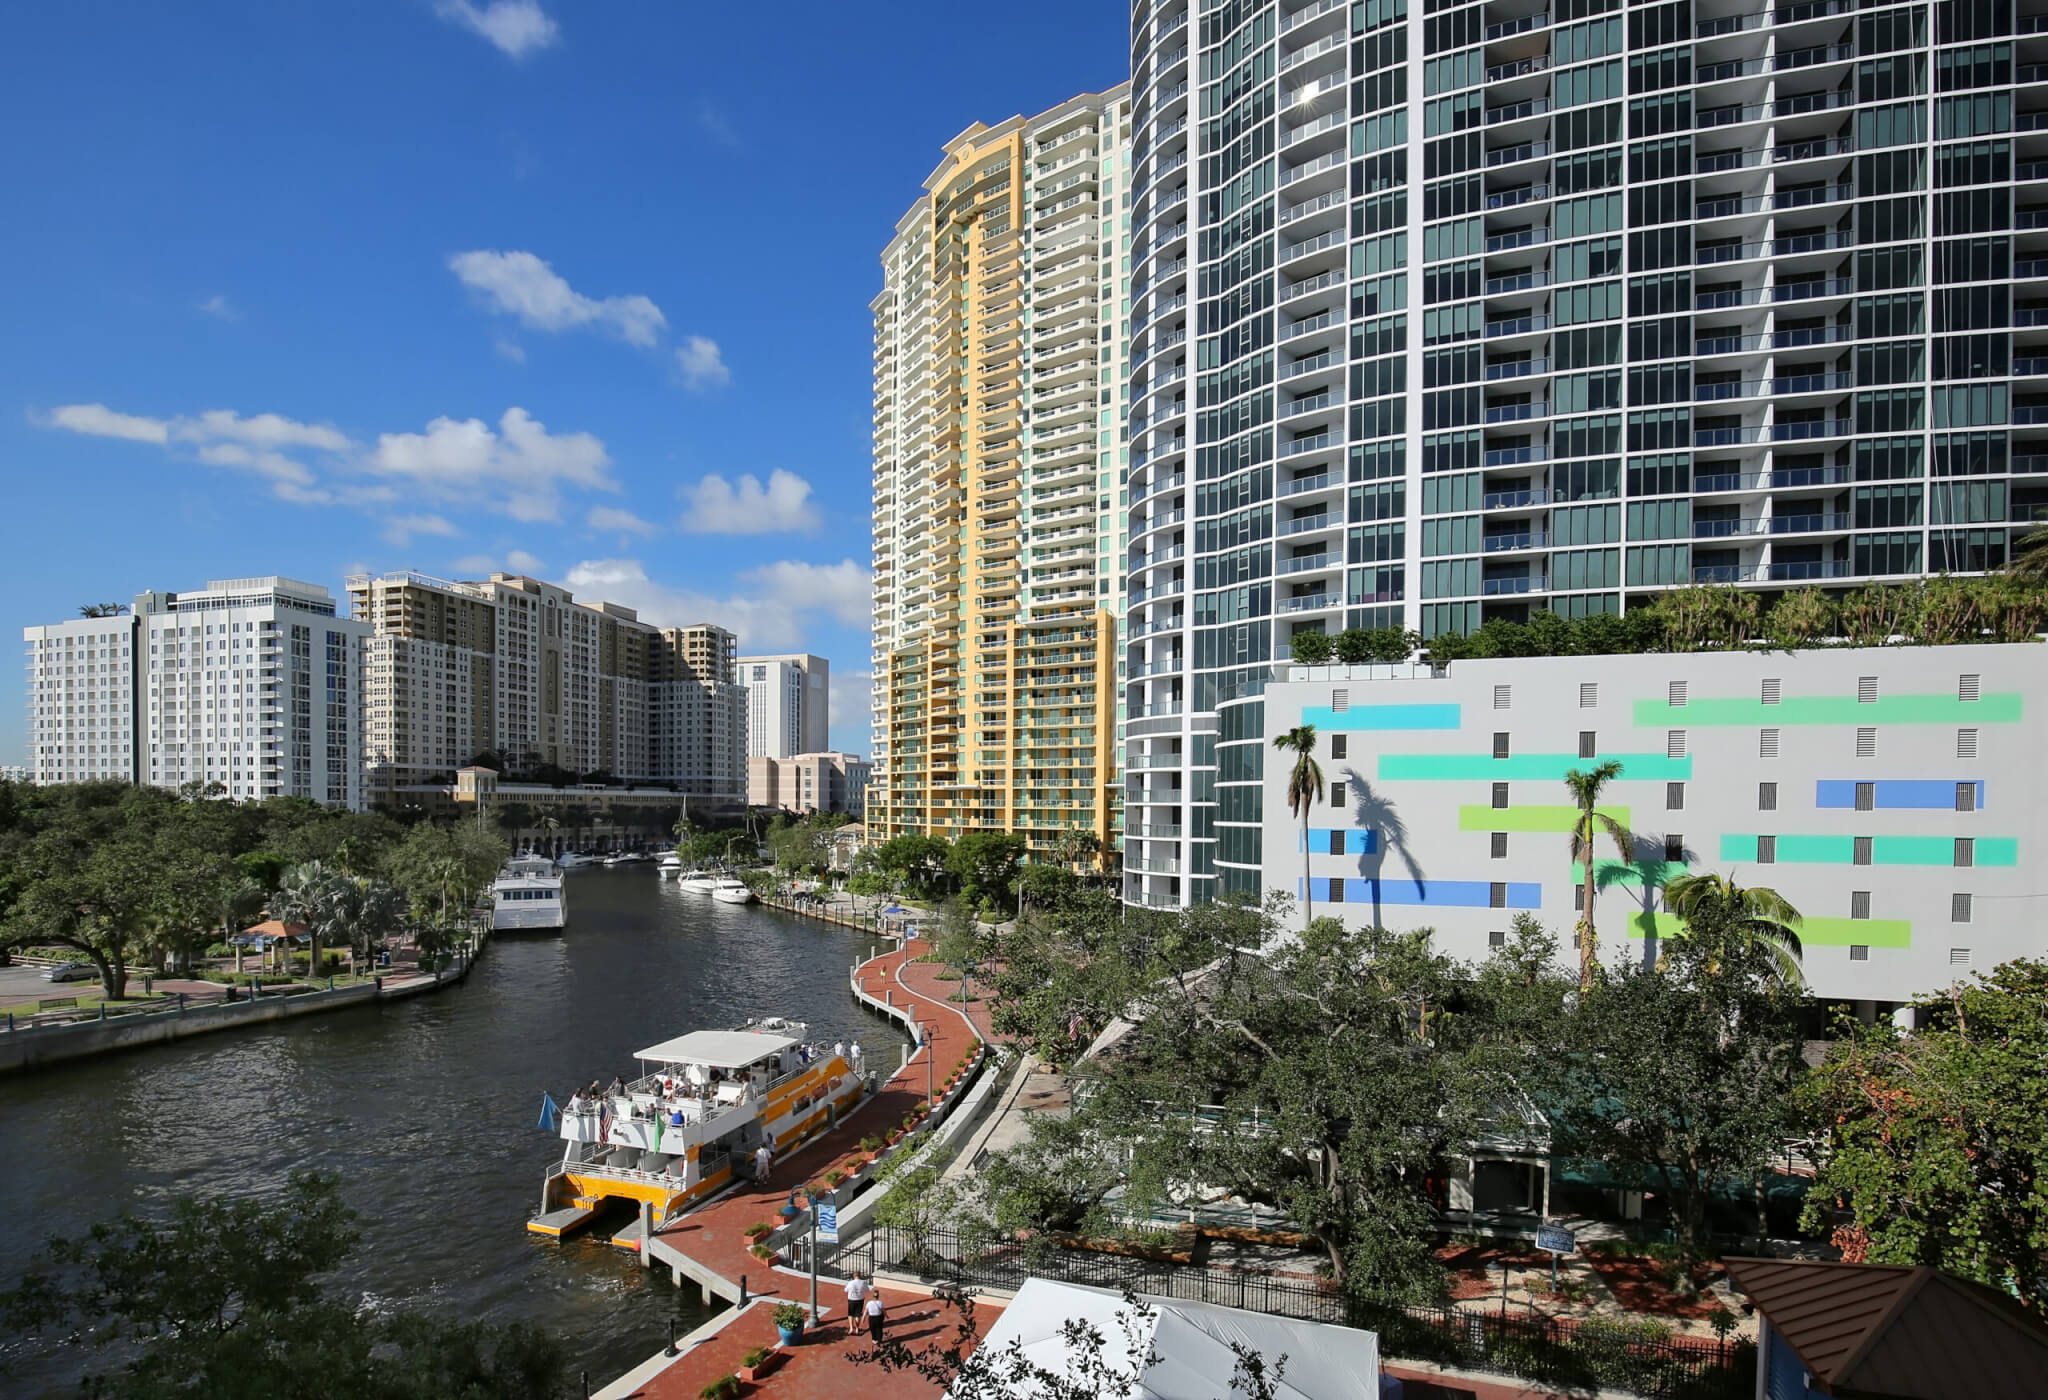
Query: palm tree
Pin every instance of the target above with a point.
(1719, 911)
(2030, 556)
(235, 900)
(1304, 786)
(1587, 829)
(1077, 845)
(303, 897)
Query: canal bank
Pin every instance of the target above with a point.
(427, 1109)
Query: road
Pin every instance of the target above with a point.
(21, 983)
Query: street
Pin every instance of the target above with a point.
(21, 983)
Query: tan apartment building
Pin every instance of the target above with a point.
(999, 463)
(517, 667)
(809, 782)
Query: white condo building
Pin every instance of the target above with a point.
(252, 683)
(789, 704)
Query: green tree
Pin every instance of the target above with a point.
(226, 1300)
(984, 866)
(1936, 1140)
(1720, 914)
(1311, 648)
(1078, 846)
(1304, 789)
(1588, 826)
(1044, 886)
(917, 863)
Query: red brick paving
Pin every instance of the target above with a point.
(714, 1236)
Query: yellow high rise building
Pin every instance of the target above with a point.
(998, 484)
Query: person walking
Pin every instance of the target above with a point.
(857, 1290)
(764, 1158)
(875, 1317)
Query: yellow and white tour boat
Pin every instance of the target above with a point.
(688, 1127)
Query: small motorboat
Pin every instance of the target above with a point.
(669, 866)
(574, 860)
(697, 881)
(628, 858)
(729, 890)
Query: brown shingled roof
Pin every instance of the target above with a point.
(1887, 1329)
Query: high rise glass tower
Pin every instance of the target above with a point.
(1446, 312)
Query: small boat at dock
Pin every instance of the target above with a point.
(729, 889)
(697, 881)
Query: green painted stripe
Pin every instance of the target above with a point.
(1610, 873)
(1813, 933)
(1884, 850)
(1553, 819)
(1526, 767)
(2004, 707)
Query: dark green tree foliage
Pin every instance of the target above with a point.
(1937, 1140)
(916, 863)
(983, 865)
(226, 1300)
(1679, 1075)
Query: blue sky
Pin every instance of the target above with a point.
(577, 287)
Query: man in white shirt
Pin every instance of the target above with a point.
(839, 1049)
(856, 1294)
(764, 1158)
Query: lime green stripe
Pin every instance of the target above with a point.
(1884, 850)
(1662, 925)
(1610, 873)
(2003, 707)
(1813, 933)
(1553, 819)
(1527, 767)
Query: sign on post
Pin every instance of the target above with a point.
(828, 1222)
(1555, 1239)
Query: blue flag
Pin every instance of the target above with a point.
(550, 1113)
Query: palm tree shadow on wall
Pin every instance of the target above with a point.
(1651, 866)
(1377, 813)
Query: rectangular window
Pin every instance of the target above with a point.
(1766, 850)
(1767, 743)
(1866, 742)
(1959, 909)
(1767, 797)
(1500, 845)
(1966, 743)
(1497, 895)
(1500, 797)
(1338, 745)
(1337, 843)
(1589, 694)
(1860, 851)
(1588, 743)
(1502, 696)
(1676, 692)
(1866, 797)
(1336, 794)
(1773, 688)
(1578, 903)
(1966, 851)
(1968, 688)
(1966, 797)
(1336, 890)
(1497, 938)
(1859, 904)
(1674, 797)
(1500, 746)
(1674, 848)
(1674, 743)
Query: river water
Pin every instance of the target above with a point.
(428, 1110)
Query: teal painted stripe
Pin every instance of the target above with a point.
(1525, 767)
(1884, 850)
(1366, 717)
(2002, 708)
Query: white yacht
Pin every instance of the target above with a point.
(574, 860)
(669, 866)
(697, 881)
(628, 858)
(683, 1129)
(528, 895)
(730, 889)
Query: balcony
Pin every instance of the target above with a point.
(1527, 539)
(1302, 564)
(1321, 481)
(1518, 325)
(1728, 529)
(1517, 412)
(1512, 500)
(1302, 525)
(1315, 442)
(1818, 428)
(1809, 524)
(1506, 587)
(1516, 369)
(1803, 570)
(1312, 602)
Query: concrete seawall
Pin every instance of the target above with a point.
(50, 1045)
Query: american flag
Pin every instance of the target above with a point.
(604, 1119)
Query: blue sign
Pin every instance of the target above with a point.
(828, 1222)
(1555, 1239)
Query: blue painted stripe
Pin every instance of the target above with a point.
(1360, 717)
(1356, 842)
(1916, 794)
(1440, 894)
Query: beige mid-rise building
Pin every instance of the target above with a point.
(809, 782)
(998, 482)
(516, 667)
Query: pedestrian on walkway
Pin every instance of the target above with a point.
(875, 1317)
(764, 1158)
(857, 1290)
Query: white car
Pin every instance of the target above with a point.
(70, 972)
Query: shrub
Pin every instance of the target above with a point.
(724, 1388)
(1311, 648)
(761, 1251)
(758, 1229)
(790, 1317)
(834, 1177)
(871, 1143)
(756, 1357)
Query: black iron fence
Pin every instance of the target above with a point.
(1643, 1357)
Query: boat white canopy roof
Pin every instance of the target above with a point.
(723, 1049)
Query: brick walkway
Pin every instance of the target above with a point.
(715, 1237)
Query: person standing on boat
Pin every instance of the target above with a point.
(856, 1057)
(839, 1050)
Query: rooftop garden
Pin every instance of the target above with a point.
(1943, 611)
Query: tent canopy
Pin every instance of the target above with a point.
(1192, 1341)
(723, 1049)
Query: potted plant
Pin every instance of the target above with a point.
(834, 1176)
(758, 1363)
(789, 1322)
(761, 1252)
(758, 1229)
(724, 1388)
(870, 1144)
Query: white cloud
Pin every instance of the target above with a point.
(523, 563)
(515, 27)
(516, 561)
(702, 364)
(770, 613)
(715, 506)
(524, 285)
(513, 351)
(624, 521)
(519, 470)
(220, 306)
(400, 529)
(97, 420)
(265, 430)
(852, 719)
(713, 123)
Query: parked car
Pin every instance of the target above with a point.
(70, 972)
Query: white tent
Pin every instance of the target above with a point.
(1192, 1341)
